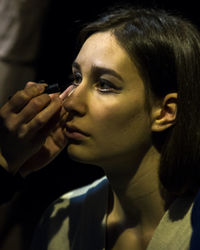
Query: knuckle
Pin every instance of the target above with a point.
(39, 102)
(6, 122)
(30, 91)
(21, 132)
(21, 96)
(9, 129)
(35, 104)
(39, 121)
(34, 89)
(11, 125)
(30, 83)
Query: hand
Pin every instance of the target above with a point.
(31, 129)
(55, 142)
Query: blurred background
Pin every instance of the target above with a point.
(38, 42)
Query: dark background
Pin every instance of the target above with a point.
(58, 49)
(57, 52)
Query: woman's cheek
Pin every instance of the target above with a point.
(106, 112)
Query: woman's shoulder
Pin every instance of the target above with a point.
(95, 187)
(174, 230)
(69, 216)
(74, 199)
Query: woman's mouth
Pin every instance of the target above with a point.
(75, 133)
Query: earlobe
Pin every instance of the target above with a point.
(165, 115)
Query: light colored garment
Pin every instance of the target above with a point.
(21, 23)
(76, 221)
(174, 230)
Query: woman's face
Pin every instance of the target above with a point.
(108, 105)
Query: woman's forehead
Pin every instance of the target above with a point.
(101, 44)
(103, 50)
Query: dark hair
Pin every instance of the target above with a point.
(166, 50)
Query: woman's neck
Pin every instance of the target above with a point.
(136, 200)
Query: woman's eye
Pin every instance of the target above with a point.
(77, 78)
(105, 86)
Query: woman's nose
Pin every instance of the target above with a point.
(74, 99)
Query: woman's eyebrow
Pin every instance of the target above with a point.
(103, 70)
(76, 66)
(97, 70)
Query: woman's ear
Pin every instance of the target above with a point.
(164, 115)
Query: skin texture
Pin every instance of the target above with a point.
(115, 118)
(118, 130)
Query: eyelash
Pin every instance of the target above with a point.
(77, 78)
(110, 88)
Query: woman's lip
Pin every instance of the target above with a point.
(75, 133)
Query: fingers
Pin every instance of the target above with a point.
(35, 105)
(22, 97)
(23, 106)
(29, 110)
(26, 120)
(41, 119)
(67, 92)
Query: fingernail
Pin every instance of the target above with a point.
(67, 92)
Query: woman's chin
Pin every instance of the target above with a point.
(77, 154)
